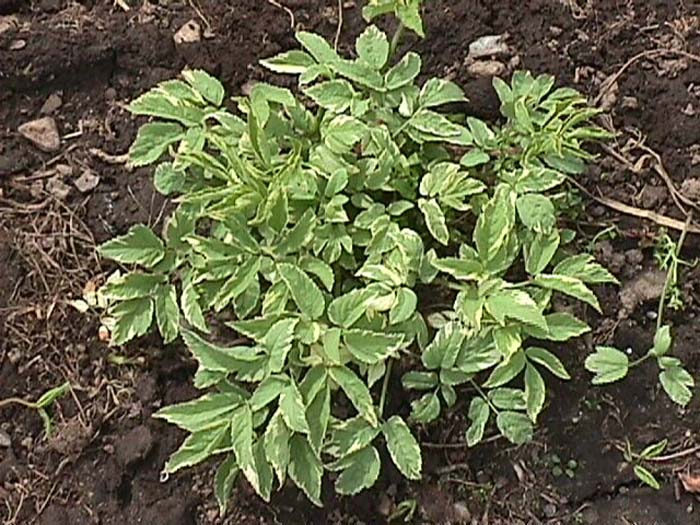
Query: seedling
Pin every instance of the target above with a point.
(314, 220)
(41, 405)
(560, 468)
(638, 461)
(610, 364)
(667, 256)
(405, 511)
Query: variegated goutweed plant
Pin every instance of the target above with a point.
(323, 228)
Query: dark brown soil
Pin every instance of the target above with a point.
(103, 461)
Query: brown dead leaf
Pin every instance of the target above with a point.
(690, 483)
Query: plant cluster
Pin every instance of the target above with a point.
(318, 225)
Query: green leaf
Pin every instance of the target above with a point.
(360, 471)
(654, 450)
(534, 392)
(206, 85)
(197, 448)
(426, 409)
(515, 304)
(419, 380)
(217, 358)
(318, 47)
(608, 364)
(479, 412)
(343, 132)
(436, 92)
(223, 482)
(133, 285)
(662, 341)
(506, 371)
(359, 73)
(347, 309)
(258, 472)
(307, 296)
(139, 246)
(646, 477)
(293, 62)
(293, 409)
(404, 72)
(536, 212)
(495, 223)
(157, 103)
(569, 286)
(240, 234)
(305, 468)
(508, 398)
(318, 415)
(334, 95)
(548, 360)
(189, 303)
(152, 141)
(584, 267)
(409, 14)
(352, 435)
(242, 435)
(371, 347)
(167, 313)
(560, 327)
(434, 219)
(133, 319)
(403, 447)
(515, 426)
(508, 340)
(373, 47)
(276, 443)
(380, 273)
(357, 392)
(434, 123)
(267, 391)
(474, 158)
(540, 251)
(404, 306)
(202, 413)
(167, 180)
(278, 343)
(242, 278)
(678, 384)
(320, 269)
(444, 347)
(461, 269)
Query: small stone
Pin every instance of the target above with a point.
(652, 196)
(630, 103)
(5, 440)
(134, 446)
(461, 512)
(486, 68)
(488, 45)
(189, 33)
(384, 506)
(550, 510)
(18, 44)
(110, 94)
(590, 516)
(690, 188)
(56, 187)
(634, 256)
(8, 23)
(52, 103)
(43, 133)
(88, 181)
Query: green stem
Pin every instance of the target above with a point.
(396, 40)
(484, 396)
(17, 401)
(672, 269)
(385, 387)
